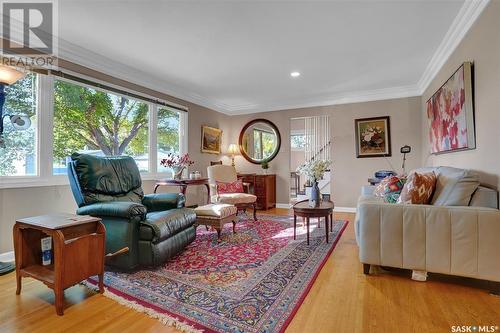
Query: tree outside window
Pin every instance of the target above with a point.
(19, 156)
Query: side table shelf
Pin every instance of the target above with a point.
(78, 245)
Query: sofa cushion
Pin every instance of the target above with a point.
(418, 188)
(454, 187)
(390, 188)
(232, 187)
(161, 225)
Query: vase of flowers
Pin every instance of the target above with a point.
(177, 164)
(314, 170)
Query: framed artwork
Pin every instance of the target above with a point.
(210, 140)
(451, 114)
(373, 137)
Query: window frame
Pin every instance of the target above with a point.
(45, 136)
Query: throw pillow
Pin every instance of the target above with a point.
(418, 188)
(390, 188)
(233, 187)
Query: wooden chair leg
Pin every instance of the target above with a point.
(366, 269)
(254, 211)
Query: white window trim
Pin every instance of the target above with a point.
(45, 137)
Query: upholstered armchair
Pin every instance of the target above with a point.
(154, 227)
(227, 174)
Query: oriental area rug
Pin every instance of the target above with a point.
(252, 281)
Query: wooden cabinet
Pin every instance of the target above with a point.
(265, 190)
(263, 186)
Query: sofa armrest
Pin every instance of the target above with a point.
(163, 201)
(120, 209)
(455, 240)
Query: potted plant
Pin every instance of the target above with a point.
(177, 164)
(314, 171)
(264, 165)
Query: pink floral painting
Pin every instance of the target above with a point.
(450, 114)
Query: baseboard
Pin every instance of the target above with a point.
(345, 209)
(283, 205)
(7, 256)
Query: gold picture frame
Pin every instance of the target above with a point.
(211, 140)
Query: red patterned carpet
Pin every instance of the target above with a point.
(252, 281)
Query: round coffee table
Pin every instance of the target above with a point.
(301, 208)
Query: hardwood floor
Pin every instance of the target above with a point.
(342, 299)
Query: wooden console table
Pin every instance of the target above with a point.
(77, 248)
(183, 184)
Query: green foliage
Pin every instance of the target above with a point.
(84, 119)
(20, 145)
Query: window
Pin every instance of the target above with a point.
(297, 141)
(19, 155)
(68, 116)
(263, 142)
(99, 123)
(168, 136)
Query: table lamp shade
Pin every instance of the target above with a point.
(233, 149)
(9, 75)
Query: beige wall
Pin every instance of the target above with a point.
(349, 172)
(482, 46)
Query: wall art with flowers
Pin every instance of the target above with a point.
(373, 137)
(451, 114)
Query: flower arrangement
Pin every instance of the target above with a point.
(314, 170)
(264, 164)
(373, 136)
(177, 163)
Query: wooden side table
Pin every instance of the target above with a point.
(301, 208)
(77, 247)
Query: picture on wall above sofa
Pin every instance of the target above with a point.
(373, 137)
(451, 114)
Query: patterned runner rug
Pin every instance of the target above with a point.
(252, 281)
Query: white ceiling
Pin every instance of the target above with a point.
(236, 56)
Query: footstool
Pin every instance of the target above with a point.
(216, 215)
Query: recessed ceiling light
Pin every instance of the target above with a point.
(294, 74)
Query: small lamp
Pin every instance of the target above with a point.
(8, 76)
(233, 150)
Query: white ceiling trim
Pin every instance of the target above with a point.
(464, 20)
(467, 15)
(337, 99)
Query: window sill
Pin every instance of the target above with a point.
(59, 180)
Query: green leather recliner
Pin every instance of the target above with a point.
(154, 227)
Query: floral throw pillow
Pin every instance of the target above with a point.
(233, 187)
(418, 188)
(390, 188)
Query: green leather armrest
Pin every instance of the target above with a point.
(120, 209)
(163, 201)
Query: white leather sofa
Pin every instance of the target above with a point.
(443, 238)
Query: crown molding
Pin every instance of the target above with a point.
(331, 99)
(468, 14)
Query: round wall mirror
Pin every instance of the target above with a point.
(259, 141)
